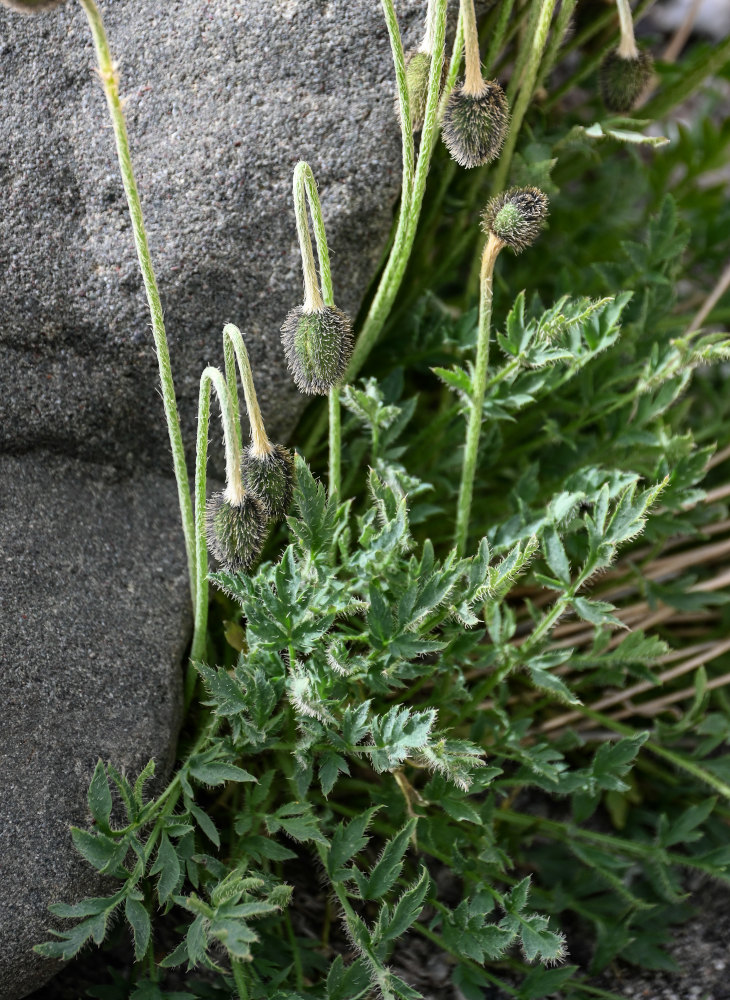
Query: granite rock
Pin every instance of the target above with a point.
(222, 99)
(92, 633)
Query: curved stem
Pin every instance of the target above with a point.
(627, 48)
(473, 81)
(210, 377)
(426, 45)
(527, 87)
(109, 80)
(234, 347)
(479, 381)
(305, 189)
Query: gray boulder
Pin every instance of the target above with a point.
(222, 99)
(93, 623)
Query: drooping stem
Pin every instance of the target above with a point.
(234, 493)
(312, 295)
(537, 45)
(305, 190)
(479, 381)
(627, 47)
(234, 347)
(109, 80)
(473, 81)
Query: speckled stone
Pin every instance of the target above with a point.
(92, 635)
(222, 100)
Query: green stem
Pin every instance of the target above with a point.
(210, 377)
(234, 349)
(527, 88)
(413, 184)
(111, 89)
(335, 442)
(305, 190)
(298, 967)
(499, 34)
(239, 978)
(479, 381)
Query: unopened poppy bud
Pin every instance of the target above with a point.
(623, 80)
(475, 125)
(318, 345)
(270, 477)
(516, 217)
(418, 70)
(31, 6)
(235, 530)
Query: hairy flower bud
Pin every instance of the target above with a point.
(235, 530)
(622, 80)
(31, 6)
(475, 126)
(318, 345)
(418, 69)
(270, 477)
(516, 217)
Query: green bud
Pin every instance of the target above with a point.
(270, 477)
(475, 126)
(516, 217)
(31, 6)
(418, 69)
(235, 530)
(318, 345)
(622, 81)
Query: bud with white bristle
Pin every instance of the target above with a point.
(476, 118)
(267, 469)
(625, 72)
(317, 338)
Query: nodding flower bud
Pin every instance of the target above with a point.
(515, 217)
(235, 530)
(31, 6)
(623, 79)
(418, 70)
(475, 125)
(270, 477)
(318, 345)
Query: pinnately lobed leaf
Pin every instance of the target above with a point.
(516, 217)
(318, 346)
(622, 81)
(235, 532)
(270, 477)
(475, 126)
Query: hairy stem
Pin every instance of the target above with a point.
(537, 45)
(473, 81)
(479, 381)
(234, 491)
(234, 349)
(109, 80)
(305, 190)
(239, 978)
(627, 48)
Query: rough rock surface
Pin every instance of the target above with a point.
(222, 99)
(92, 632)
